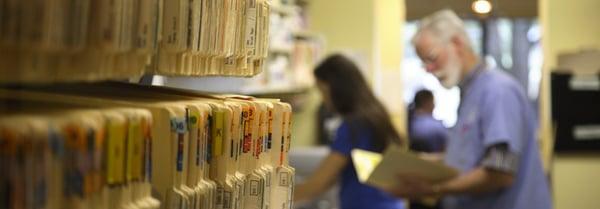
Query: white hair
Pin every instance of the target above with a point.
(443, 25)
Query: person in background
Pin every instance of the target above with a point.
(493, 144)
(366, 125)
(425, 132)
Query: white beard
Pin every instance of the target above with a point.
(449, 75)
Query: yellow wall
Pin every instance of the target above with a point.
(569, 26)
(345, 25)
(389, 22)
(370, 31)
(575, 181)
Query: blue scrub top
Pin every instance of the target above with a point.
(429, 133)
(494, 109)
(353, 194)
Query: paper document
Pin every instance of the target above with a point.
(383, 170)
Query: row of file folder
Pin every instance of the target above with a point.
(65, 156)
(68, 40)
(108, 145)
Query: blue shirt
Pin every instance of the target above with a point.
(494, 109)
(427, 134)
(353, 194)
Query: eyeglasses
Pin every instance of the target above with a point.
(433, 55)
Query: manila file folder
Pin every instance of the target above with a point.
(384, 170)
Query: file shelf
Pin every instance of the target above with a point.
(71, 136)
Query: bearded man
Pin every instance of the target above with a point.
(493, 142)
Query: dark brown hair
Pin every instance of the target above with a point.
(422, 98)
(353, 99)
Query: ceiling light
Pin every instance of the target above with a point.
(482, 6)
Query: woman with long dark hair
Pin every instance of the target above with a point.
(366, 125)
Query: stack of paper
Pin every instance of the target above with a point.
(60, 40)
(214, 37)
(64, 40)
(208, 151)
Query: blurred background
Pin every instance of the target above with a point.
(551, 47)
(530, 39)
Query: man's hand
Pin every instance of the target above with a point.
(478, 181)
